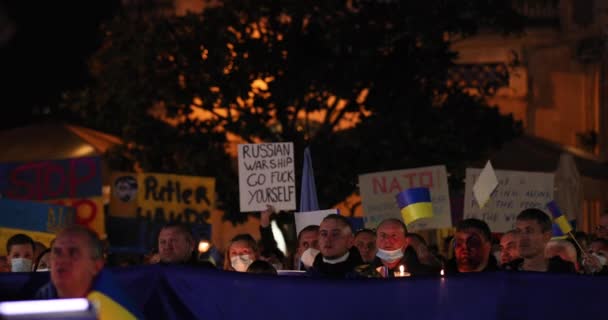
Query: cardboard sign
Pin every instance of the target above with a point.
(39, 221)
(123, 196)
(170, 197)
(378, 192)
(56, 179)
(266, 176)
(311, 218)
(516, 191)
(70, 182)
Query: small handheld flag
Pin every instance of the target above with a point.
(415, 203)
(557, 233)
(559, 218)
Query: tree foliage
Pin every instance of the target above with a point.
(362, 82)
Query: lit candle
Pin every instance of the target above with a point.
(442, 273)
(401, 271)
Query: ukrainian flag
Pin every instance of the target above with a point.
(557, 233)
(559, 218)
(110, 301)
(415, 203)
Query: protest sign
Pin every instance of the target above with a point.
(378, 192)
(314, 218)
(171, 197)
(123, 196)
(516, 191)
(40, 221)
(72, 182)
(266, 176)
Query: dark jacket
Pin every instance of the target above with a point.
(344, 269)
(556, 265)
(452, 266)
(411, 264)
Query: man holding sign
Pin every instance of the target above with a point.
(266, 176)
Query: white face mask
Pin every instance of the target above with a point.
(43, 270)
(308, 257)
(21, 265)
(389, 256)
(602, 259)
(241, 262)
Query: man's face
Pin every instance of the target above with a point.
(308, 239)
(390, 236)
(335, 239)
(174, 246)
(508, 248)
(21, 251)
(602, 228)
(471, 250)
(532, 240)
(366, 243)
(73, 267)
(599, 248)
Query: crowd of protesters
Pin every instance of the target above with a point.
(331, 249)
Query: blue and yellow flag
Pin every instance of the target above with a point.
(559, 218)
(110, 301)
(415, 203)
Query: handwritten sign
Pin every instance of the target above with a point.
(170, 197)
(378, 192)
(516, 191)
(56, 179)
(311, 218)
(69, 182)
(266, 176)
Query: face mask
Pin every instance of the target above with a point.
(241, 262)
(21, 265)
(389, 256)
(308, 257)
(602, 259)
(43, 270)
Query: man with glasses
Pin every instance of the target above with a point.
(472, 248)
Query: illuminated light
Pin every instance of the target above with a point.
(362, 96)
(197, 101)
(442, 273)
(82, 151)
(15, 308)
(259, 84)
(203, 246)
(278, 236)
(401, 270)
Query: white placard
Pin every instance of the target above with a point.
(266, 176)
(485, 185)
(378, 192)
(516, 191)
(311, 218)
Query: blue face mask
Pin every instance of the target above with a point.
(389, 256)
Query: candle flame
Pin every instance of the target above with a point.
(401, 269)
(442, 273)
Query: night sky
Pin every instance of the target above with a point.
(47, 53)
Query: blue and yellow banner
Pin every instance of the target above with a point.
(40, 221)
(110, 301)
(415, 203)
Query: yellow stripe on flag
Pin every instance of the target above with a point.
(563, 224)
(417, 211)
(107, 308)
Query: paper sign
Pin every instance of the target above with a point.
(266, 176)
(485, 185)
(123, 196)
(516, 191)
(378, 192)
(311, 218)
(34, 216)
(170, 197)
